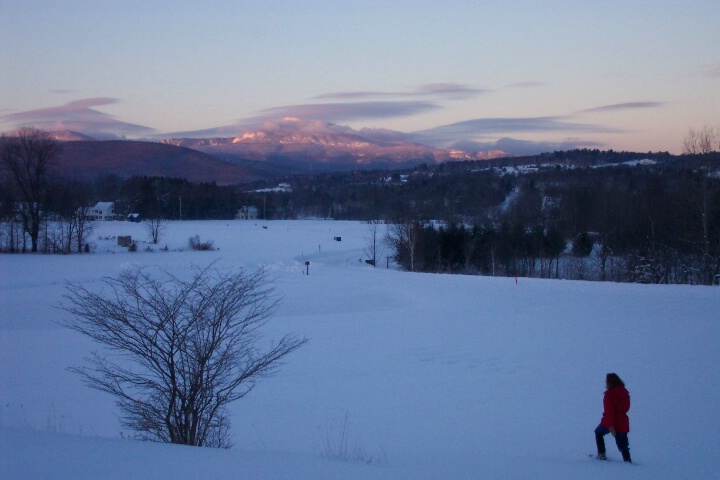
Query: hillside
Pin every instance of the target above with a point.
(90, 159)
(406, 376)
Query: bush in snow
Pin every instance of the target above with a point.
(196, 244)
(192, 346)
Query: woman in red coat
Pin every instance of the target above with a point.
(616, 404)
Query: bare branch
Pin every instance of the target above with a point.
(700, 142)
(374, 244)
(29, 155)
(195, 343)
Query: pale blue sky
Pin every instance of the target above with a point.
(632, 75)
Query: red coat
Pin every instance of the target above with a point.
(616, 404)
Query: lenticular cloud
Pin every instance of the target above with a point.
(79, 116)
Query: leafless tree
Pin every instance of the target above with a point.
(404, 238)
(698, 142)
(68, 233)
(702, 142)
(10, 227)
(29, 155)
(79, 214)
(468, 247)
(66, 226)
(84, 227)
(60, 235)
(374, 245)
(155, 227)
(183, 349)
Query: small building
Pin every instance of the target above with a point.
(247, 213)
(124, 240)
(102, 211)
(134, 217)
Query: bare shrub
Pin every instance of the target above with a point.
(196, 244)
(337, 446)
(192, 345)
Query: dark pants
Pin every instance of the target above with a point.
(621, 440)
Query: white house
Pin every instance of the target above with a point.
(102, 211)
(247, 213)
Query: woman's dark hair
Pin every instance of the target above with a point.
(613, 380)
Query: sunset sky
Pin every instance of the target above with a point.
(524, 75)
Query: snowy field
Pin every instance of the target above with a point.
(428, 376)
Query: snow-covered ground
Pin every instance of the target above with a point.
(429, 376)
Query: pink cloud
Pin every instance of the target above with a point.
(301, 125)
(335, 112)
(92, 102)
(315, 117)
(443, 90)
(625, 106)
(78, 116)
(481, 128)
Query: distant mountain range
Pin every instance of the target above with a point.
(284, 146)
(311, 145)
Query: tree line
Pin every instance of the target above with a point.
(609, 216)
(637, 224)
(653, 222)
(575, 214)
(41, 211)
